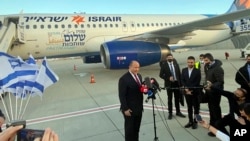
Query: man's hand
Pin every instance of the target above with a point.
(128, 112)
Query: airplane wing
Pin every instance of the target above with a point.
(172, 35)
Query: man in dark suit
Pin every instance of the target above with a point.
(190, 78)
(131, 99)
(243, 77)
(170, 73)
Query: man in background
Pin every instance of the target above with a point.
(171, 74)
(243, 77)
(215, 76)
(190, 78)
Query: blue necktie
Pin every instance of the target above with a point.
(172, 71)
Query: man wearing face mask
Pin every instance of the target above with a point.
(243, 77)
(170, 73)
(215, 76)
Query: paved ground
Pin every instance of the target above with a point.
(79, 110)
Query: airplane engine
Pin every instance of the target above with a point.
(118, 54)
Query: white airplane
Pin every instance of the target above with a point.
(115, 40)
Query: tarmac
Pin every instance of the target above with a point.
(78, 110)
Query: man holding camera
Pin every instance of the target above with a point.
(215, 75)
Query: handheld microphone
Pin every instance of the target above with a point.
(148, 82)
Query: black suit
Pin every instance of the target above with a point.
(191, 82)
(243, 79)
(131, 98)
(165, 74)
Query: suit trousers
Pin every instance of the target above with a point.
(193, 106)
(176, 92)
(132, 127)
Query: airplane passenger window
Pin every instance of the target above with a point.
(49, 26)
(82, 26)
(142, 25)
(170, 24)
(116, 25)
(34, 26)
(88, 25)
(42, 26)
(27, 27)
(124, 25)
(94, 26)
(132, 25)
(161, 24)
(157, 24)
(138, 25)
(56, 26)
(152, 24)
(100, 25)
(69, 25)
(111, 25)
(76, 26)
(105, 25)
(63, 26)
(147, 24)
(166, 24)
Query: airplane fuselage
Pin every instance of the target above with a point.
(55, 35)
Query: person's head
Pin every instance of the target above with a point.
(240, 94)
(246, 111)
(208, 58)
(248, 59)
(170, 57)
(2, 118)
(134, 67)
(190, 61)
(201, 57)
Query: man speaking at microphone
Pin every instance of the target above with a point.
(131, 99)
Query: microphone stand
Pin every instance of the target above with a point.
(153, 98)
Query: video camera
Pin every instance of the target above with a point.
(150, 86)
(26, 134)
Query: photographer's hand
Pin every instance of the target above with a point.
(50, 135)
(10, 133)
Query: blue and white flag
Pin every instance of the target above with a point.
(31, 60)
(44, 79)
(7, 72)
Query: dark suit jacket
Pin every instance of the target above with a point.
(193, 80)
(130, 95)
(165, 73)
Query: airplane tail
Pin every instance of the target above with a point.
(239, 5)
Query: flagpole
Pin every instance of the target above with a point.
(26, 106)
(5, 107)
(16, 107)
(11, 108)
(20, 109)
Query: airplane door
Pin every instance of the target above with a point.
(132, 26)
(124, 27)
(20, 32)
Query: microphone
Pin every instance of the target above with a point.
(155, 84)
(148, 82)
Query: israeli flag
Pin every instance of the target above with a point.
(44, 79)
(7, 72)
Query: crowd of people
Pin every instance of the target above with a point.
(200, 82)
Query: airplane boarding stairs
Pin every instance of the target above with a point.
(7, 36)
